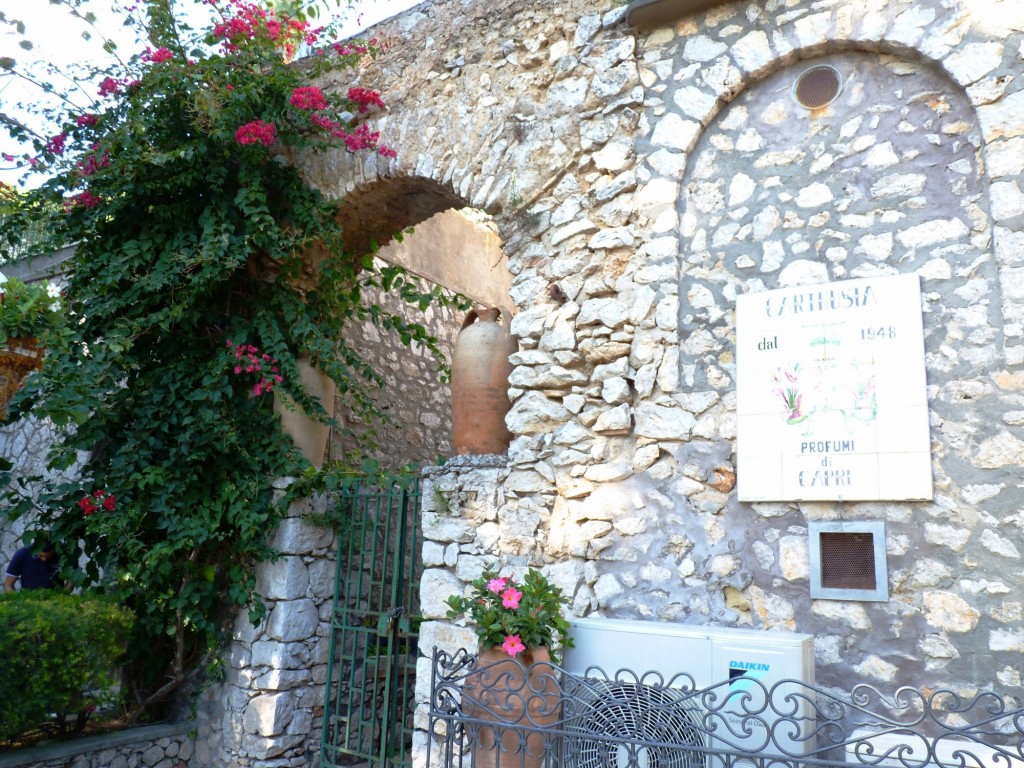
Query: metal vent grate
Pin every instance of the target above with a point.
(608, 711)
(848, 561)
(817, 87)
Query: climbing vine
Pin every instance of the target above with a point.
(205, 265)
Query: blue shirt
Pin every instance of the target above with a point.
(33, 572)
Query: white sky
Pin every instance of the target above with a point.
(57, 38)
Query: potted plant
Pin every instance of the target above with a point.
(27, 312)
(516, 617)
(514, 686)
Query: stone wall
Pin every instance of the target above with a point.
(150, 746)
(24, 444)
(415, 400)
(641, 180)
(268, 711)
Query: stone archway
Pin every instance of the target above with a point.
(426, 228)
(375, 211)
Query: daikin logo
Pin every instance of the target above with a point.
(742, 674)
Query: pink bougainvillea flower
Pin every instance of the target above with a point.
(248, 22)
(87, 505)
(86, 121)
(513, 645)
(252, 361)
(323, 122)
(364, 99)
(109, 87)
(55, 144)
(496, 585)
(158, 56)
(82, 200)
(88, 199)
(361, 138)
(91, 163)
(108, 503)
(256, 132)
(348, 49)
(510, 598)
(309, 97)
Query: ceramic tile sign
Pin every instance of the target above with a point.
(831, 399)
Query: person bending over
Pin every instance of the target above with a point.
(36, 571)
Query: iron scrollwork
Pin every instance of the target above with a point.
(631, 720)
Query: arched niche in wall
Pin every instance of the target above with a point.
(885, 178)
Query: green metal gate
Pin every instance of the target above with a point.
(368, 706)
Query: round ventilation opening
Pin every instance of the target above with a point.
(817, 87)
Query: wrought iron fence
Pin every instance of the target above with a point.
(500, 716)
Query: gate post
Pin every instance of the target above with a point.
(461, 534)
(269, 708)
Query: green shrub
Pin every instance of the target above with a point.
(57, 652)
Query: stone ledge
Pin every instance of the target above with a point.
(468, 461)
(39, 266)
(37, 755)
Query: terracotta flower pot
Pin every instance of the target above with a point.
(518, 696)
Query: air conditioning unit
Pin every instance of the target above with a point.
(898, 750)
(651, 701)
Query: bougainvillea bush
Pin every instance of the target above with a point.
(201, 253)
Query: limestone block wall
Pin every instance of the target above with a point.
(269, 709)
(641, 180)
